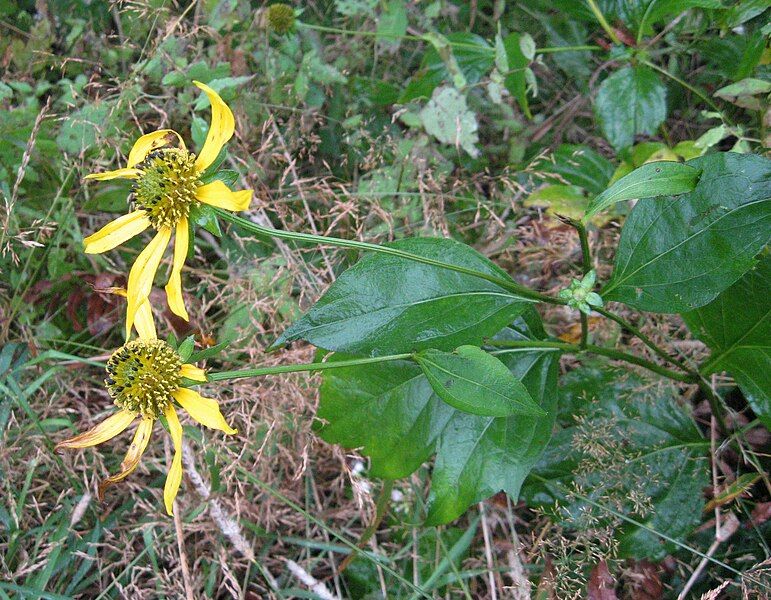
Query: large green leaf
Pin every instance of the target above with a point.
(389, 305)
(648, 181)
(626, 445)
(391, 412)
(677, 254)
(472, 54)
(581, 166)
(631, 101)
(476, 382)
(737, 328)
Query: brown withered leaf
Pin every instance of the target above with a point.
(644, 580)
(602, 585)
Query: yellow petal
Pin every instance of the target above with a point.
(144, 323)
(106, 430)
(134, 454)
(152, 141)
(174, 478)
(204, 410)
(116, 232)
(193, 372)
(174, 286)
(116, 174)
(220, 131)
(218, 194)
(142, 273)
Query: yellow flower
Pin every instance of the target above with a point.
(167, 184)
(143, 378)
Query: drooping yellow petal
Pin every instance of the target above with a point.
(142, 273)
(144, 323)
(116, 232)
(174, 478)
(174, 286)
(152, 141)
(193, 372)
(106, 430)
(218, 194)
(133, 456)
(204, 410)
(221, 129)
(116, 174)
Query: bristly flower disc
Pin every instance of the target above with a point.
(141, 375)
(167, 187)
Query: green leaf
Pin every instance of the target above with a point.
(389, 305)
(627, 445)
(631, 101)
(565, 200)
(581, 166)
(737, 328)
(651, 180)
(516, 81)
(391, 412)
(204, 216)
(677, 254)
(472, 54)
(742, 93)
(448, 119)
(476, 382)
(477, 457)
(392, 24)
(661, 9)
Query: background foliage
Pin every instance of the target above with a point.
(476, 122)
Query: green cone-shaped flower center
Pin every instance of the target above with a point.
(166, 188)
(281, 17)
(141, 376)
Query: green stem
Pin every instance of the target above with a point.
(690, 88)
(608, 352)
(645, 339)
(586, 266)
(320, 366)
(553, 49)
(511, 286)
(602, 21)
(381, 509)
(646, 364)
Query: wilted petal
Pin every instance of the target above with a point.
(133, 456)
(106, 430)
(204, 410)
(193, 372)
(142, 273)
(152, 141)
(174, 286)
(116, 232)
(174, 478)
(218, 194)
(116, 174)
(221, 129)
(144, 323)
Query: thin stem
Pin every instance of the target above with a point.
(584, 330)
(690, 88)
(320, 366)
(381, 509)
(645, 339)
(646, 364)
(553, 49)
(511, 286)
(608, 352)
(586, 266)
(602, 21)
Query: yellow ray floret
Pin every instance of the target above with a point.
(144, 379)
(167, 184)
